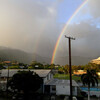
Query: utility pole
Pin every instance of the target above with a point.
(70, 69)
(7, 82)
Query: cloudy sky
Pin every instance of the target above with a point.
(35, 25)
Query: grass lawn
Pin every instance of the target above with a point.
(64, 76)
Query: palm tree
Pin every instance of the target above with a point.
(89, 79)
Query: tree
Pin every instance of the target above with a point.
(60, 70)
(66, 69)
(1, 66)
(25, 82)
(36, 65)
(14, 67)
(90, 78)
(52, 66)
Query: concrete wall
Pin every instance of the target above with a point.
(62, 90)
(65, 90)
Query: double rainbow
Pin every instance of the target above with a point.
(63, 30)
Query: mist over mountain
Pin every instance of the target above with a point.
(20, 56)
(25, 57)
(76, 60)
(14, 54)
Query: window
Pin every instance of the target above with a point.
(53, 88)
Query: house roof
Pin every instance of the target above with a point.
(61, 82)
(40, 72)
(7, 62)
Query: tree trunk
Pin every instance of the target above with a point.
(88, 92)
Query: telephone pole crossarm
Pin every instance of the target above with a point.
(69, 37)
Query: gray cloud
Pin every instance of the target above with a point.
(86, 43)
(31, 25)
(28, 25)
(94, 6)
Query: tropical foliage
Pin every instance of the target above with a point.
(25, 82)
(89, 79)
(61, 69)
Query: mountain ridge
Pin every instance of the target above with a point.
(7, 53)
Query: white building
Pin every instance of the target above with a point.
(61, 87)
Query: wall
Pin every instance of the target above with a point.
(48, 78)
(62, 90)
(65, 90)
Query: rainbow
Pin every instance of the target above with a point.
(63, 30)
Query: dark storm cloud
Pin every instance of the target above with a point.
(86, 43)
